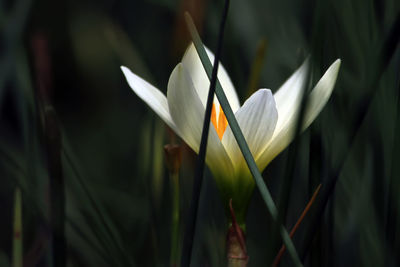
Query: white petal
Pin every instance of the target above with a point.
(187, 112)
(315, 102)
(191, 62)
(257, 119)
(288, 97)
(149, 94)
(321, 93)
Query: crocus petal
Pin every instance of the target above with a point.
(321, 93)
(315, 102)
(150, 95)
(187, 112)
(288, 97)
(191, 62)
(257, 119)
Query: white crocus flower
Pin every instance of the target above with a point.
(267, 120)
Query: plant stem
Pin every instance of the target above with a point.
(17, 237)
(173, 159)
(175, 218)
(235, 251)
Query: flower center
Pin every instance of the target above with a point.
(220, 123)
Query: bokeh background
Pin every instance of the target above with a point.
(59, 69)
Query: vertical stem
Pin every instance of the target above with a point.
(52, 142)
(235, 252)
(17, 252)
(173, 158)
(175, 219)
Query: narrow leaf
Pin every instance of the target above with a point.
(191, 223)
(241, 140)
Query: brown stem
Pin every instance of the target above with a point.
(303, 214)
(236, 243)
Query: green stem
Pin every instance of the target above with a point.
(175, 219)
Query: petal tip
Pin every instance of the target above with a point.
(125, 70)
(334, 68)
(263, 92)
(178, 68)
(336, 64)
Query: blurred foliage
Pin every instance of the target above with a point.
(118, 199)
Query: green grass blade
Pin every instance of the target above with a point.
(241, 140)
(192, 218)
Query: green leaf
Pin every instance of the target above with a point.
(241, 140)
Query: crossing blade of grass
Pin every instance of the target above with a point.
(191, 222)
(241, 140)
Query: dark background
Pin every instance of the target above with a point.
(67, 54)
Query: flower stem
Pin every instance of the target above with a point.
(236, 250)
(236, 253)
(173, 158)
(175, 219)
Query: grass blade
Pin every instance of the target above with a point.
(241, 140)
(191, 224)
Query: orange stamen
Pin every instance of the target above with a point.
(214, 117)
(220, 124)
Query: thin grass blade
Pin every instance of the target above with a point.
(241, 140)
(191, 224)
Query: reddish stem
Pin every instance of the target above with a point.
(303, 214)
(236, 243)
